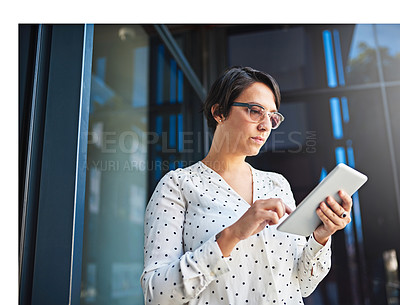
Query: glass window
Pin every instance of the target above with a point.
(166, 115)
(361, 65)
(272, 50)
(263, 49)
(116, 186)
(389, 45)
(292, 133)
(175, 122)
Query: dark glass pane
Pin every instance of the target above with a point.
(291, 55)
(116, 189)
(393, 96)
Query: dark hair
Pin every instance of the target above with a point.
(230, 85)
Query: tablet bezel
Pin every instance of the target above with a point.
(304, 219)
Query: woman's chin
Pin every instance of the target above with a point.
(253, 152)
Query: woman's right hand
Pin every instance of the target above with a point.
(263, 212)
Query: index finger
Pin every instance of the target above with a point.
(275, 204)
(285, 208)
(288, 210)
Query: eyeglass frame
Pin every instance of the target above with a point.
(266, 112)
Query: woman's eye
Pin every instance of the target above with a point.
(255, 111)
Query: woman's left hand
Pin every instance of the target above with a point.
(333, 217)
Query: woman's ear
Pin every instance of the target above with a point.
(216, 114)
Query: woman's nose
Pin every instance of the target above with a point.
(265, 123)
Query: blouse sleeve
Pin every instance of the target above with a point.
(313, 259)
(313, 263)
(170, 275)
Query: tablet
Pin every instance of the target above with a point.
(304, 219)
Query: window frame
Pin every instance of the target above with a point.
(53, 195)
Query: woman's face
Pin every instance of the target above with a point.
(239, 133)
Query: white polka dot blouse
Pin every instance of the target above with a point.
(183, 263)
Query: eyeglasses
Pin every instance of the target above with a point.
(257, 114)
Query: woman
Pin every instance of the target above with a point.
(210, 228)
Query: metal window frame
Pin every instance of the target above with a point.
(53, 201)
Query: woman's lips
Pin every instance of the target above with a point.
(258, 140)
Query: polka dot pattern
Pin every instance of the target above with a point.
(184, 265)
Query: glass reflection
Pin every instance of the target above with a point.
(362, 60)
(116, 173)
(362, 65)
(389, 44)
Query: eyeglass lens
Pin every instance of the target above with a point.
(275, 120)
(257, 114)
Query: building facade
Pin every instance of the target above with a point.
(106, 110)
